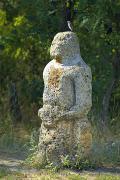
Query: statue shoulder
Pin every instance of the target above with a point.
(84, 71)
(88, 72)
(47, 68)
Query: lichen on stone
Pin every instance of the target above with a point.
(54, 77)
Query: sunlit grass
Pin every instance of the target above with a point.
(61, 175)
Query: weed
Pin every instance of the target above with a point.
(4, 172)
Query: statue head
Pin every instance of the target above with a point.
(65, 46)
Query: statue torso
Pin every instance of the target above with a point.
(59, 84)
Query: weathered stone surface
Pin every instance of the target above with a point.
(65, 129)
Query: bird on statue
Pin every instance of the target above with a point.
(69, 4)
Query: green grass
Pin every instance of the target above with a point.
(61, 175)
(108, 177)
(4, 172)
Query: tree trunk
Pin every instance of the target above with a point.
(63, 23)
(109, 90)
(14, 103)
(106, 102)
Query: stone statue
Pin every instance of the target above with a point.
(65, 129)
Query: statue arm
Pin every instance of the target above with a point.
(82, 95)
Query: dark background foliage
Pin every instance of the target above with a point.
(27, 28)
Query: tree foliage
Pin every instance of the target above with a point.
(26, 31)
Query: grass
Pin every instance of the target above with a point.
(108, 177)
(4, 172)
(61, 175)
(104, 153)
